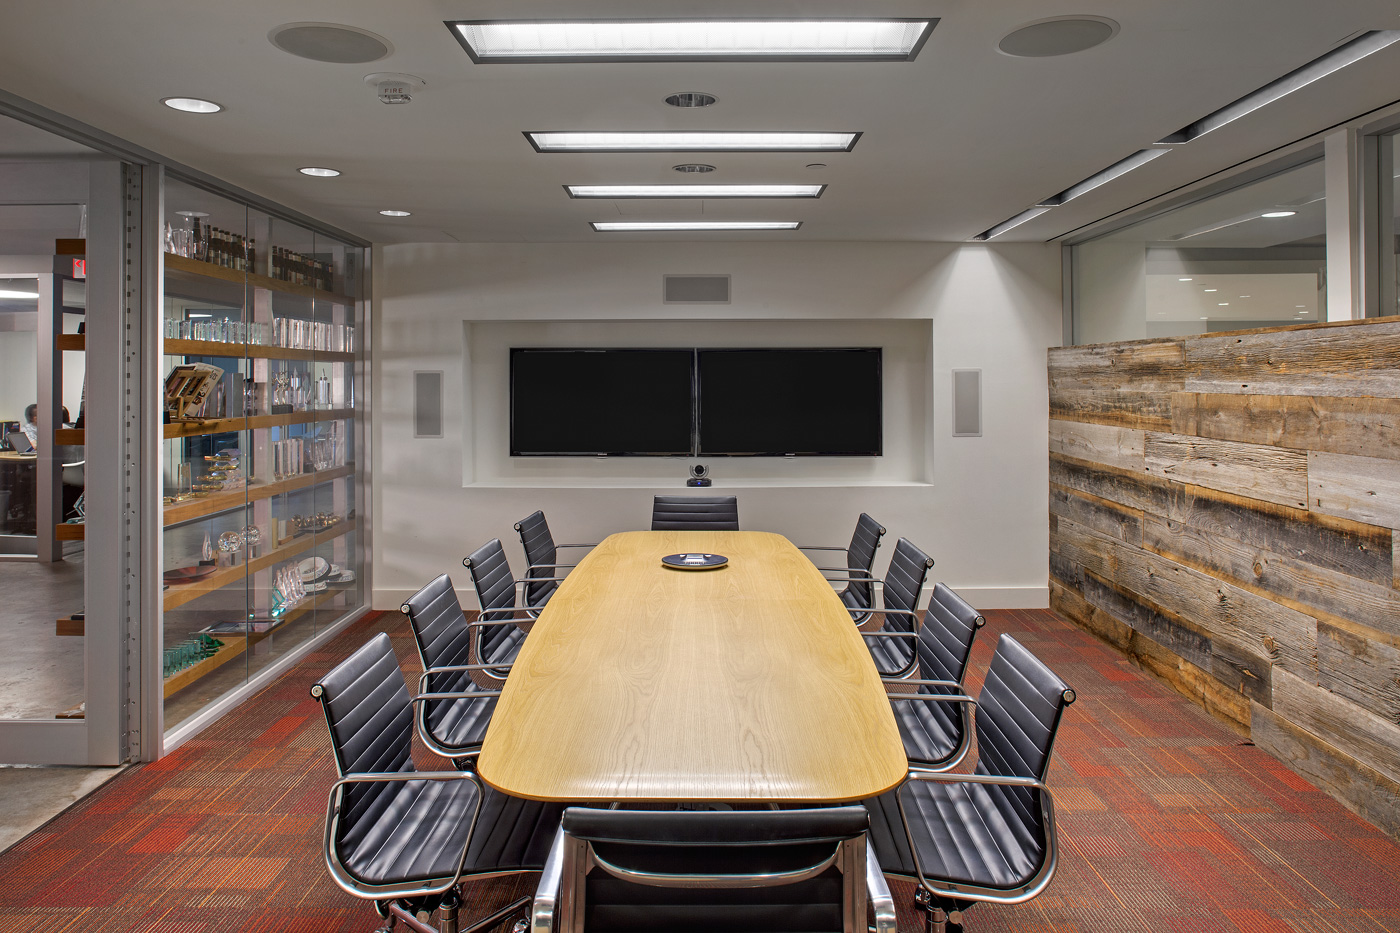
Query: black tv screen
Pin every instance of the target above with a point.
(574, 402)
(789, 402)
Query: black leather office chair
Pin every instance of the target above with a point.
(452, 711)
(695, 513)
(541, 554)
(405, 838)
(892, 621)
(860, 558)
(618, 871)
(500, 629)
(990, 835)
(937, 734)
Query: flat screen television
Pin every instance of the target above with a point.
(789, 402)
(591, 402)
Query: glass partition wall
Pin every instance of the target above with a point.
(1252, 256)
(262, 543)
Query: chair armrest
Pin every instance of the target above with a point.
(484, 694)
(558, 546)
(538, 566)
(528, 580)
(930, 697)
(484, 622)
(877, 891)
(547, 895)
(889, 634)
(925, 683)
(871, 578)
(818, 547)
(1005, 780)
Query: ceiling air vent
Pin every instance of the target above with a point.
(695, 289)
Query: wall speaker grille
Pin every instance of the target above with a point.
(427, 404)
(967, 403)
(695, 289)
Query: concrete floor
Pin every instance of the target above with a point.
(41, 673)
(30, 795)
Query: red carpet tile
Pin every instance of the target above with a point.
(1168, 823)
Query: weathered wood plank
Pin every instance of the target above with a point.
(1284, 636)
(1256, 471)
(1368, 610)
(1135, 490)
(1359, 550)
(1340, 722)
(1114, 365)
(1363, 489)
(1186, 678)
(1346, 361)
(1138, 410)
(1361, 789)
(1171, 632)
(1098, 443)
(1103, 516)
(1366, 427)
(1364, 671)
(1242, 672)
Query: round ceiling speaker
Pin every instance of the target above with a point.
(1063, 35)
(330, 42)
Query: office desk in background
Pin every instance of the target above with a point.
(744, 683)
(17, 490)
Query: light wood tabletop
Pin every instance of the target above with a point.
(747, 682)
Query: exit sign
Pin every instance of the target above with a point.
(80, 268)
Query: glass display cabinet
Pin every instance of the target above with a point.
(262, 544)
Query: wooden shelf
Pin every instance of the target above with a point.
(70, 341)
(225, 425)
(231, 649)
(185, 266)
(237, 498)
(69, 532)
(70, 437)
(254, 350)
(182, 593)
(70, 627)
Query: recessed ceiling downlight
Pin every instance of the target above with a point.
(191, 104)
(1063, 35)
(316, 172)
(692, 168)
(397, 213)
(1275, 214)
(330, 42)
(687, 99)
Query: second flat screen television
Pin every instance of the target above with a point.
(703, 402)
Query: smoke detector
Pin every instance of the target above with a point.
(393, 88)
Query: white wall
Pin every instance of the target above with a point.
(979, 509)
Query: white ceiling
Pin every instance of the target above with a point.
(953, 143)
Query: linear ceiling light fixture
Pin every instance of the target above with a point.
(1117, 169)
(692, 141)
(695, 191)
(633, 226)
(659, 40)
(1011, 224)
(1363, 45)
(1367, 43)
(16, 294)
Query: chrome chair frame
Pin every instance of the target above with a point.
(972, 892)
(863, 882)
(965, 743)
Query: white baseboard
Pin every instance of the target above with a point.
(1004, 597)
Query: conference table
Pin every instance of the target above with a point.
(744, 683)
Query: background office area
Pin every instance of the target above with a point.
(1132, 277)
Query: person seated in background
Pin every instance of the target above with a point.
(30, 427)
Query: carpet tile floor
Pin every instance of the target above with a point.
(1169, 821)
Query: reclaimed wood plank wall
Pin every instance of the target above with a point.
(1222, 508)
